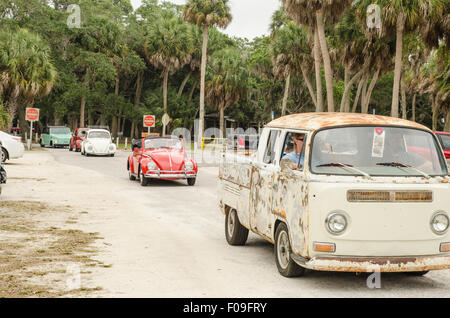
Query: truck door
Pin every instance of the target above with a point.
(290, 192)
(263, 174)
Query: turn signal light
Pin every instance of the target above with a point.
(445, 247)
(324, 247)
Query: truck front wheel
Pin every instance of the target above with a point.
(235, 233)
(286, 265)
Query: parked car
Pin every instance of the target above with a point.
(77, 138)
(98, 143)
(161, 158)
(243, 142)
(56, 137)
(11, 147)
(342, 192)
(3, 177)
(444, 139)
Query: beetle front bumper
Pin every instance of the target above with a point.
(159, 174)
(372, 264)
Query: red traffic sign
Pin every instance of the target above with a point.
(32, 114)
(149, 121)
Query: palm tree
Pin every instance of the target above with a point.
(169, 46)
(26, 72)
(291, 55)
(227, 83)
(315, 13)
(206, 14)
(405, 16)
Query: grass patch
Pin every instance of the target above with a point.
(34, 257)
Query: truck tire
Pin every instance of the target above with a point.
(235, 233)
(286, 265)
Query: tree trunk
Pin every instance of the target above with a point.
(186, 79)
(317, 65)
(326, 60)
(83, 98)
(222, 120)
(114, 127)
(309, 85)
(11, 107)
(413, 106)
(137, 97)
(191, 93)
(358, 94)
(364, 96)
(368, 94)
(403, 93)
(286, 95)
(398, 64)
(202, 85)
(447, 122)
(346, 80)
(435, 113)
(165, 88)
(346, 97)
(24, 126)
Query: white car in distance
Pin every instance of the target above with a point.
(98, 142)
(11, 147)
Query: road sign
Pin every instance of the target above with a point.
(149, 121)
(166, 119)
(32, 114)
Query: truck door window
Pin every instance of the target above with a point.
(269, 155)
(294, 149)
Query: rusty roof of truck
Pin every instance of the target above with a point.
(315, 121)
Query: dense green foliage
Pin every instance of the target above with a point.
(122, 63)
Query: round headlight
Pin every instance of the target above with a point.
(440, 223)
(336, 223)
(151, 165)
(189, 166)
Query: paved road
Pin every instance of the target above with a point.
(195, 237)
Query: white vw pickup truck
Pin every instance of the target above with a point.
(342, 192)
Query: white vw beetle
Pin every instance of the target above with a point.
(98, 143)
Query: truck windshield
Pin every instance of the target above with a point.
(376, 151)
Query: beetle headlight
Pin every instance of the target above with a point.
(112, 147)
(440, 223)
(151, 165)
(189, 166)
(336, 223)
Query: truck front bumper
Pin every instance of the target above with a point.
(375, 264)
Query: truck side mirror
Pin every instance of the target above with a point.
(286, 165)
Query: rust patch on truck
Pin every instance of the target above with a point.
(315, 121)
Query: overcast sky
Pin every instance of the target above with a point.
(251, 18)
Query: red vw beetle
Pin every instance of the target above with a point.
(77, 138)
(444, 138)
(161, 158)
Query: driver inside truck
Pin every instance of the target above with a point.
(294, 150)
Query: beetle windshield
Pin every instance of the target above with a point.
(60, 130)
(163, 143)
(82, 132)
(445, 141)
(99, 135)
(377, 151)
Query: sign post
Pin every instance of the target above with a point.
(149, 122)
(32, 115)
(165, 120)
